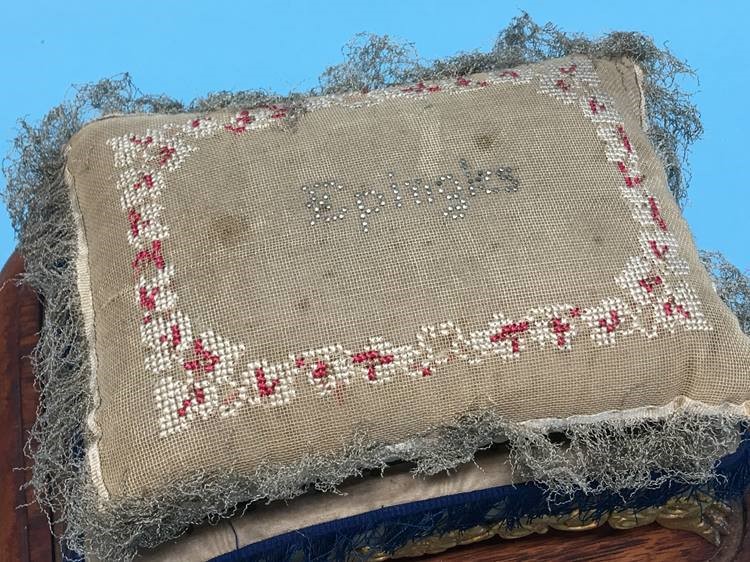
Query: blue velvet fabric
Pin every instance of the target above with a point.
(389, 528)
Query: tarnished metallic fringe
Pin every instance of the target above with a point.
(608, 455)
(732, 285)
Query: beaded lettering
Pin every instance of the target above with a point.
(326, 199)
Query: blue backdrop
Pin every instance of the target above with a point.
(186, 49)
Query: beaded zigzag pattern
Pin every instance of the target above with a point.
(655, 297)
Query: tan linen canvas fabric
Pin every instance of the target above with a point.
(265, 285)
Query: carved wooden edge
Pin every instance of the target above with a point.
(700, 514)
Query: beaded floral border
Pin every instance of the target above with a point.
(655, 297)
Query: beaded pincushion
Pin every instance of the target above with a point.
(281, 296)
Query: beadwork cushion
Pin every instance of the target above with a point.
(287, 294)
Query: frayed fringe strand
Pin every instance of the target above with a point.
(732, 285)
(614, 455)
(601, 456)
(40, 209)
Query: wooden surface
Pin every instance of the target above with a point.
(25, 537)
(24, 534)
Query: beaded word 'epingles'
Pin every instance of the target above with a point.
(330, 201)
